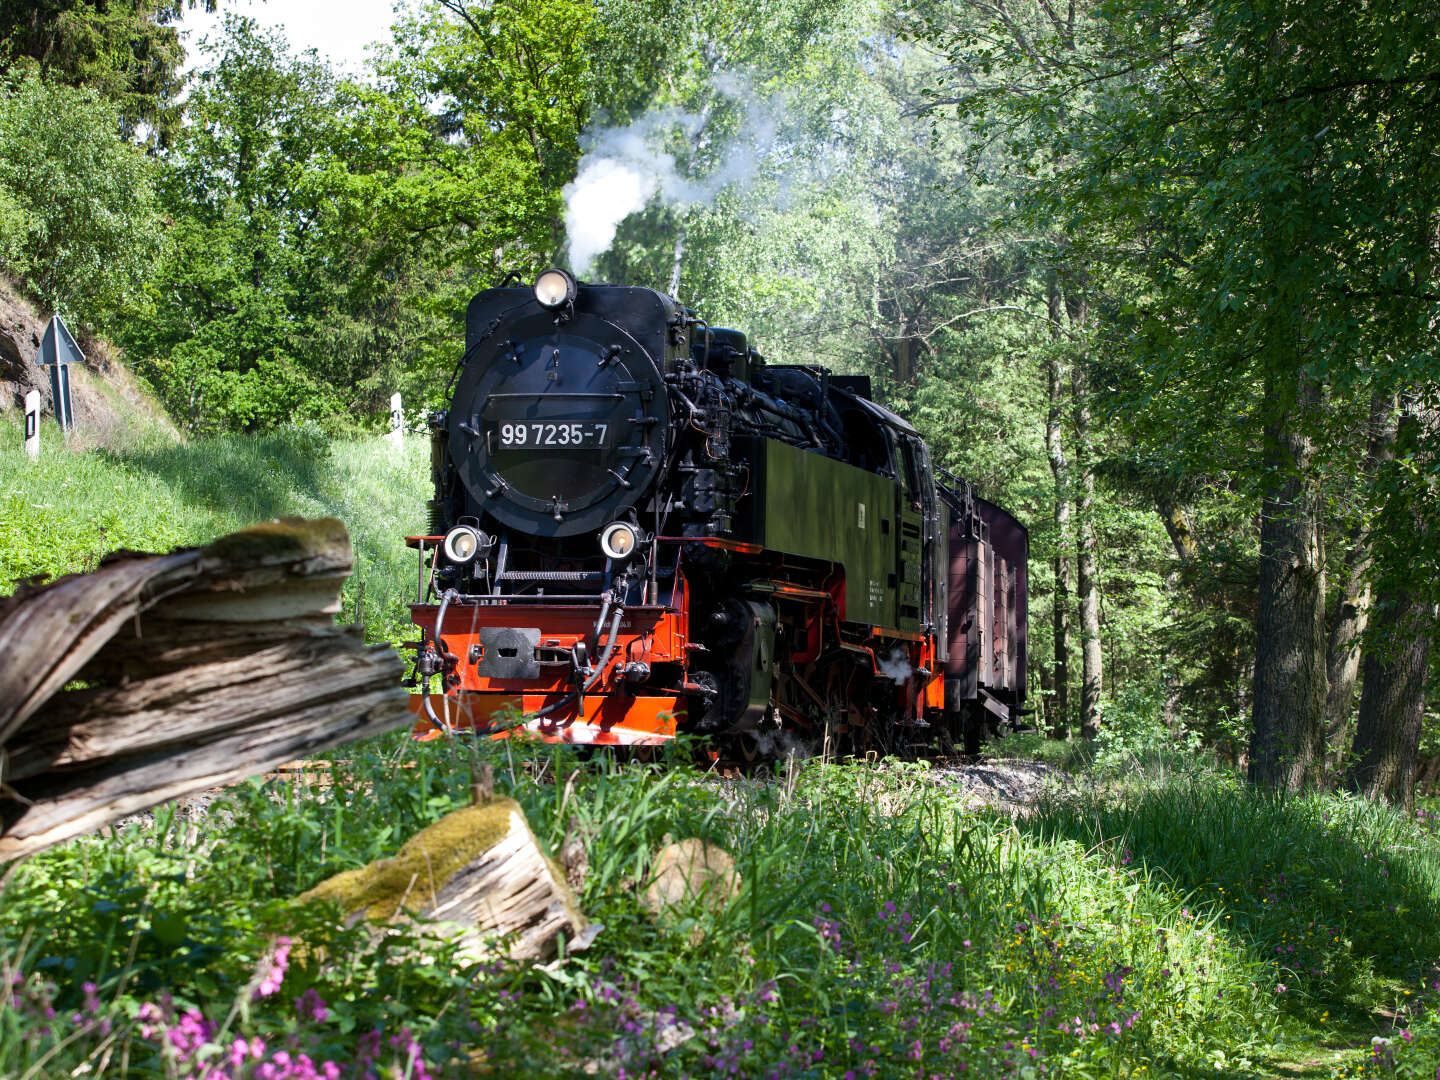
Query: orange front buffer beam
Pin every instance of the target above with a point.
(606, 720)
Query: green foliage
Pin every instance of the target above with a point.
(245, 285)
(127, 51)
(1186, 925)
(1338, 896)
(1134, 732)
(879, 928)
(324, 236)
(77, 209)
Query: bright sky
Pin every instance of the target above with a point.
(338, 29)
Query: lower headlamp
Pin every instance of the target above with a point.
(619, 540)
(462, 544)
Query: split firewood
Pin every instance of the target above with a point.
(200, 668)
(477, 875)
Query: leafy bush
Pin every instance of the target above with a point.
(1133, 732)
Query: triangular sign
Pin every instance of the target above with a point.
(58, 345)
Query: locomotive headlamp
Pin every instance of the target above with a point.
(619, 540)
(554, 287)
(462, 544)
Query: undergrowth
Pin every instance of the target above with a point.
(882, 929)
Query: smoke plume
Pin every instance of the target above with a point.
(624, 168)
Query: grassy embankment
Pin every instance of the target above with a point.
(60, 514)
(1182, 926)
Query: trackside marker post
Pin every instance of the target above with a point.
(32, 424)
(58, 351)
(397, 422)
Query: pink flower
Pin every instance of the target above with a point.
(1281, 988)
(273, 970)
(149, 1016)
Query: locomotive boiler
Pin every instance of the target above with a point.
(640, 528)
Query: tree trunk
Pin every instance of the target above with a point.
(1352, 608)
(1342, 653)
(1396, 665)
(1182, 537)
(478, 878)
(1087, 587)
(1055, 450)
(1426, 773)
(204, 667)
(1177, 525)
(1392, 702)
(1287, 738)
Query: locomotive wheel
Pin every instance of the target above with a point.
(973, 726)
(749, 748)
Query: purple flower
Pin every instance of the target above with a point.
(311, 1006)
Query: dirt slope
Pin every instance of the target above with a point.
(111, 406)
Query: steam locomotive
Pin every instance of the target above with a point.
(640, 528)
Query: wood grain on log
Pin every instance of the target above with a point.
(208, 666)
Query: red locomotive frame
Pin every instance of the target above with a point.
(612, 712)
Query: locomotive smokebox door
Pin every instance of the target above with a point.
(508, 652)
(558, 428)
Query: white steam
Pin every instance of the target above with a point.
(624, 168)
(896, 667)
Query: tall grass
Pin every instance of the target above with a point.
(882, 929)
(61, 514)
(1340, 896)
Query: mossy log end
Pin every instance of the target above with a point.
(477, 873)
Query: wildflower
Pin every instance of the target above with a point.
(311, 1006)
(149, 1016)
(1280, 988)
(273, 973)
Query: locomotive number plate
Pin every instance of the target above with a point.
(552, 435)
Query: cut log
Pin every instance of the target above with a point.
(205, 666)
(688, 872)
(477, 874)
